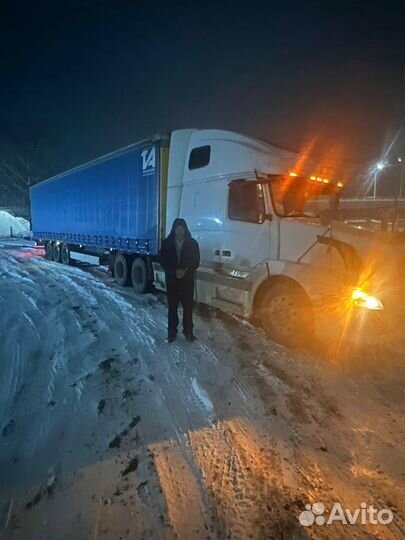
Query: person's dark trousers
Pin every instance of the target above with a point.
(180, 290)
(173, 298)
(187, 297)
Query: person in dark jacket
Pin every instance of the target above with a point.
(180, 257)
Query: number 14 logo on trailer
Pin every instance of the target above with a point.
(148, 160)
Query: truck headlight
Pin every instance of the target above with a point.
(362, 299)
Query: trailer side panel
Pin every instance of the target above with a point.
(110, 203)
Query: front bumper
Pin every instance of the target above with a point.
(354, 325)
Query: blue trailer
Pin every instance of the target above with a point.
(113, 205)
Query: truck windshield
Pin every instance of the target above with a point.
(300, 197)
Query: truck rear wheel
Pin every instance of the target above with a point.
(139, 275)
(49, 251)
(286, 315)
(56, 252)
(65, 254)
(121, 270)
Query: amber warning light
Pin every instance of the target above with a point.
(320, 179)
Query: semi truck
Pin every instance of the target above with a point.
(262, 215)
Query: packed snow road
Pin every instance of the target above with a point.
(108, 432)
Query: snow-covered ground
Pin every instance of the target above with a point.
(109, 432)
(12, 225)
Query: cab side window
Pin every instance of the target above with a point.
(246, 202)
(199, 157)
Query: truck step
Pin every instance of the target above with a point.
(226, 305)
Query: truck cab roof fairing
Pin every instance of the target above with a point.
(235, 154)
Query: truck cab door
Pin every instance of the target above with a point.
(246, 239)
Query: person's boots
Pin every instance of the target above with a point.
(189, 336)
(171, 337)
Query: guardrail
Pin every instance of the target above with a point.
(381, 213)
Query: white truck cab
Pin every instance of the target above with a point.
(265, 230)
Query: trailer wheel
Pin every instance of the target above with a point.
(139, 275)
(56, 252)
(286, 315)
(49, 251)
(65, 254)
(121, 270)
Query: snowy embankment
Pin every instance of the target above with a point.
(12, 225)
(108, 432)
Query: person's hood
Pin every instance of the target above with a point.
(182, 222)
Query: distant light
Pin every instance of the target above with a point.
(399, 160)
(325, 181)
(380, 165)
(313, 177)
(319, 179)
(293, 174)
(340, 184)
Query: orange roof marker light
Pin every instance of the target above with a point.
(320, 179)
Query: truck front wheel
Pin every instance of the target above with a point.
(139, 275)
(121, 270)
(286, 315)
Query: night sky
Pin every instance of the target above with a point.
(89, 77)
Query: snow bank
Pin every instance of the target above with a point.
(19, 225)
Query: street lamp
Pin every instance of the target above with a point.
(379, 167)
